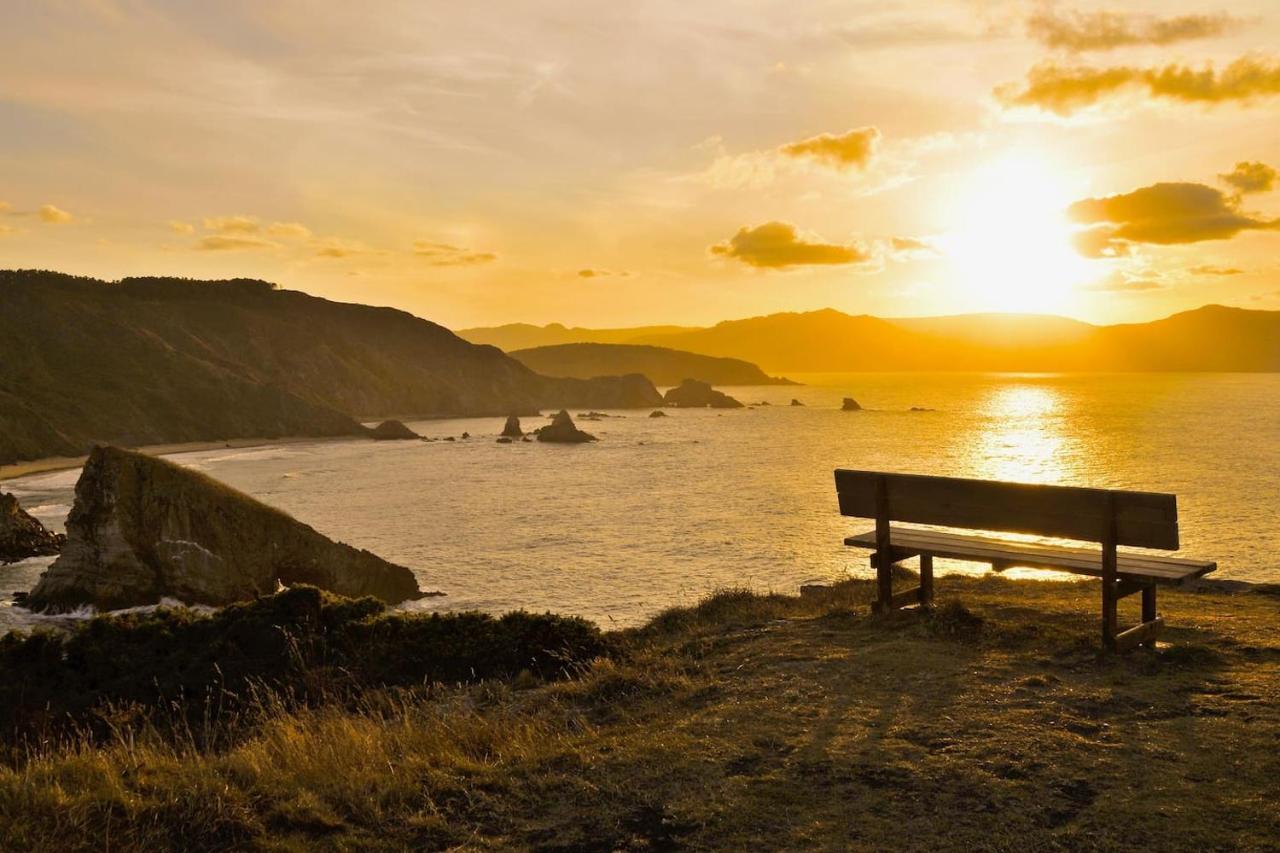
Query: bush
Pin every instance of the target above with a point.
(301, 643)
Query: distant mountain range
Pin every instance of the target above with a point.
(662, 365)
(1212, 338)
(155, 360)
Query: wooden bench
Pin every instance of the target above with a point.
(1105, 516)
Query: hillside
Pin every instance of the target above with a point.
(746, 723)
(149, 360)
(1212, 338)
(661, 365)
(515, 336)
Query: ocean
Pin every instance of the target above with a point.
(662, 511)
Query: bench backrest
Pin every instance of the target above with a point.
(1143, 519)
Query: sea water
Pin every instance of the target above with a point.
(662, 511)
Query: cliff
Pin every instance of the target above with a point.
(663, 366)
(151, 361)
(143, 528)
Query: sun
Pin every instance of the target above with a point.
(1010, 248)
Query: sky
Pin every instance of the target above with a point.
(618, 164)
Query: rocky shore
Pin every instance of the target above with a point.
(144, 528)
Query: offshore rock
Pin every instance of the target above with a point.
(698, 395)
(796, 402)
(512, 428)
(22, 535)
(143, 528)
(850, 405)
(392, 431)
(657, 413)
(562, 429)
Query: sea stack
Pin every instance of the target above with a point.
(512, 428)
(562, 429)
(692, 394)
(143, 528)
(796, 402)
(657, 413)
(22, 535)
(392, 431)
(850, 405)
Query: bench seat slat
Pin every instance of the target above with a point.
(1085, 556)
(1137, 567)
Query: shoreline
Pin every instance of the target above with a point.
(49, 464)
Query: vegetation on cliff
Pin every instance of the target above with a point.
(747, 722)
(156, 360)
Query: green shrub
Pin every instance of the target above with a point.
(301, 643)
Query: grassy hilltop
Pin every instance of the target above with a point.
(748, 722)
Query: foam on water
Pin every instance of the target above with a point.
(663, 510)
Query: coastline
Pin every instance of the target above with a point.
(48, 464)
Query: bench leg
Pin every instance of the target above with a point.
(1109, 622)
(926, 580)
(1149, 611)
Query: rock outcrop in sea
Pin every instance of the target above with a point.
(692, 394)
(796, 402)
(22, 535)
(657, 413)
(143, 528)
(562, 429)
(850, 405)
(392, 431)
(511, 429)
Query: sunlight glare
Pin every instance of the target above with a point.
(1011, 249)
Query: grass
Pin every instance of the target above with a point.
(746, 722)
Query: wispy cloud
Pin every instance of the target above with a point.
(232, 224)
(852, 149)
(1077, 31)
(1067, 89)
(233, 243)
(445, 255)
(1251, 177)
(54, 215)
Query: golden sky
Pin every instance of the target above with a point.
(613, 164)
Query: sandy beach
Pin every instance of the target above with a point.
(61, 463)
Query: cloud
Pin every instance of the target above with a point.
(1082, 31)
(909, 245)
(179, 227)
(444, 255)
(335, 248)
(7, 229)
(779, 245)
(1251, 177)
(54, 215)
(4, 206)
(1065, 90)
(295, 230)
(853, 149)
(233, 243)
(1210, 269)
(598, 273)
(1120, 281)
(232, 224)
(1164, 214)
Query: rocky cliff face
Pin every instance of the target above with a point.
(21, 535)
(143, 528)
(152, 361)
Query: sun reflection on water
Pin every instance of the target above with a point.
(1025, 439)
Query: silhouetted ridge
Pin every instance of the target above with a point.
(158, 360)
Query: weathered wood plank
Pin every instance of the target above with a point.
(905, 598)
(1139, 634)
(1143, 519)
